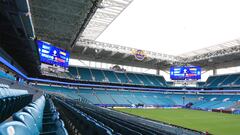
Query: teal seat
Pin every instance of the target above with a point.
(37, 116)
(28, 120)
(14, 128)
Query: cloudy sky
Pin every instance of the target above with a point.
(175, 26)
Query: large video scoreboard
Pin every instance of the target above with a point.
(185, 73)
(52, 55)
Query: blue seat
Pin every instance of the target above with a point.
(12, 100)
(14, 128)
(40, 119)
(4, 102)
(28, 120)
(8, 104)
(36, 114)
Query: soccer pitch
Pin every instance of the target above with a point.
(214, 123)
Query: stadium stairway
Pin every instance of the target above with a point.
(38, 117)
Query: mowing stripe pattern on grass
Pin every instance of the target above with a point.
(215, 123)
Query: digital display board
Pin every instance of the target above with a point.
(52, 55)
(185, 73)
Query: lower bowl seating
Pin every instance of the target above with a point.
(39, 117)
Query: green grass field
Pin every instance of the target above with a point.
(215, 123)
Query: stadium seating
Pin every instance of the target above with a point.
(161, 80)
(134, 79)
(73, 71)
(98, 75)
(217, 81)
(144, 79)
(210, 79)
(153, 80)
(229, 80)
(81, 123)
(128, 98)
(85, 74)
(110, 121)
(119, 98)
(122, 77)
(104, 97)
(12, 100)
(209, 102)
(38, 117)
(7, 76)
(223, 81)
(237, 82)
(200, 84)
(110, 76)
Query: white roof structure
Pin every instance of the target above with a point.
(83, 21)
(106, 13)
(218, 56)
(213, 48)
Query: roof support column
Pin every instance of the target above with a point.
(214, 71)
(158, 71)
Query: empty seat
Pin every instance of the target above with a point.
(111, 76)
(122, 77)
(39, 118)
(14, 128)
(98, 75)
(134, 78)
(85, 74)
(83, 123)
(12, 100)
(28, 120)
(36, 114)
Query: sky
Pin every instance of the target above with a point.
(175, 26)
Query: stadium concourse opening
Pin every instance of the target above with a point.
(57, 78)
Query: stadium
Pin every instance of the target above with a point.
(68, 67)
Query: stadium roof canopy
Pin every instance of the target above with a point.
(211, 48)
(218, 56)
(76, 24)
(106, 13)
(63, 22)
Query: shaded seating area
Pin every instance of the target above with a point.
(12, 100)
(38, 117)
(119, 77)
(223, 81)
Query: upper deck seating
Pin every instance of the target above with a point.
(110, 76)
